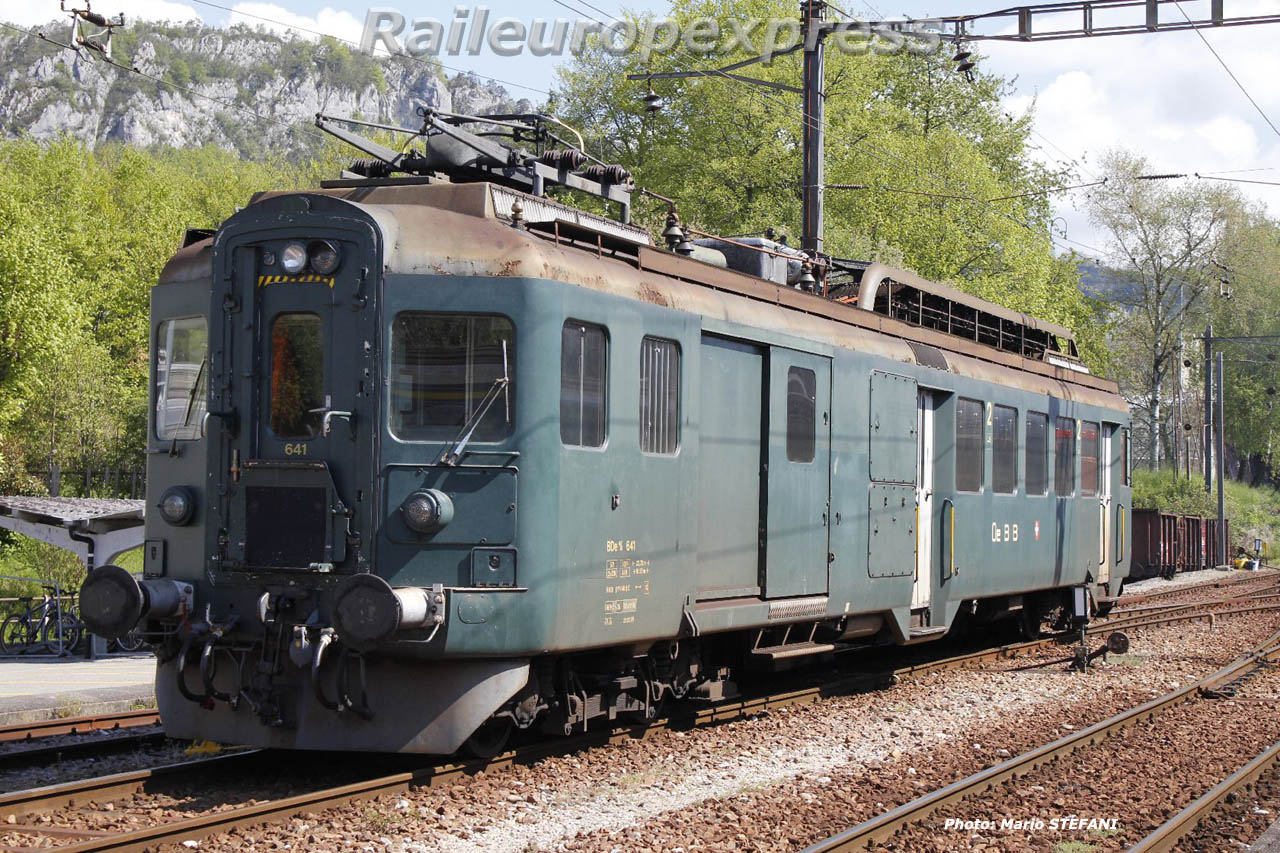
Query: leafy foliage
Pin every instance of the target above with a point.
(1254, 512)
(83, 236)
(935, 150)
(1165, 237)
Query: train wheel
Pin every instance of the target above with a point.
(490, 739)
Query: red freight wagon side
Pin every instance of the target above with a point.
(1165, 543)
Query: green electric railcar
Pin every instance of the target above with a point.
(430, 460)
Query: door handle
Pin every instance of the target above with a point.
(229, 418)
(329, 415)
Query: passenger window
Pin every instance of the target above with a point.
(970, 464)
(1037, 457)
(297, 375)
(1064, 458)
(802, 407)
(659, 396)
(182, 348)
(1004, 456)
(443, 367)
(1088, 458)
(583, 374)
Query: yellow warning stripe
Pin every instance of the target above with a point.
(264, 280)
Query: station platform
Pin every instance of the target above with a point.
(50, 688)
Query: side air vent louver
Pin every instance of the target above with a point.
(927, 356)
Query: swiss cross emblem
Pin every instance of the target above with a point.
(1037, 531)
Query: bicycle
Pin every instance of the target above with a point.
(40, 624)
(130, 642)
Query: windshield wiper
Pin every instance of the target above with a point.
(191, 399)
(499, 387)
(195, 387)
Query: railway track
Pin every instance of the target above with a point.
(23, 806)
(1265, 580)
(1168, 835)
(884, 826)
(1269, 592)
(79, 725)
(45, 754)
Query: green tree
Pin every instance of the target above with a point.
(935, 150)
(1164, 239)
(1250, 268)
(83, 236)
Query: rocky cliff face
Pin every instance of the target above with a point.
(239, 88)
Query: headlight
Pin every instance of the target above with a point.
(177, 505)
(324, 256)
(293, 258)
(427, 511)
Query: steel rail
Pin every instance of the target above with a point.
(1191, 587)
(1166, 836)
(201, 826)
(79, 725)
(1259, 595)
(77, 750)
(1170, 618)
(102, 788)
(883, 826)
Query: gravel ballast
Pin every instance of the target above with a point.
(779, 780)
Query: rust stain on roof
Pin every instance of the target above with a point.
(649, 293)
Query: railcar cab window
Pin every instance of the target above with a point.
(802, 410)
(1037, 455)
(659, 396)
(297, 375)
(584, 372)
(443, 366)
(182, 348)
(1088, 459)
(1064, 458)
(970, 461)
(1004, 456)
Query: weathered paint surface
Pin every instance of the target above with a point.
(611, 545)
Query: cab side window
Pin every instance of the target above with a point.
(181, 354)
(584, 372)
(802, 411)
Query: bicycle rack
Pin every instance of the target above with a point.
(43, 626)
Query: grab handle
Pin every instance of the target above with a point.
(949, 522)
(1119, 533)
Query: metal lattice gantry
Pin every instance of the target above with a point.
(97, 530)
(1095, 18)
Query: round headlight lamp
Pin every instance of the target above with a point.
(293, 258)
(324, 256)
(427, 510)
(177, 505)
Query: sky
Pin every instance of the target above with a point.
(1163, 95)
